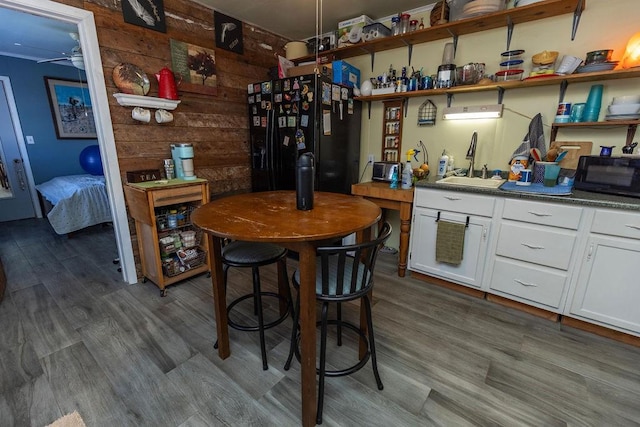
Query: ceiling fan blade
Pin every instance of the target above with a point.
(66, 58)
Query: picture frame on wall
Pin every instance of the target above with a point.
(71, 108)
(228, 32)
(145, 13)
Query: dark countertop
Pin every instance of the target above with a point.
(577, 197)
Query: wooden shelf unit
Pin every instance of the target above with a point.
(392, 130)
(503, 18)
(144, 200)
(513, 84)
(630, 124)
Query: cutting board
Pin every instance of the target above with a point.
(575, 150)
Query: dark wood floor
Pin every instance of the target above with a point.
(74, 337)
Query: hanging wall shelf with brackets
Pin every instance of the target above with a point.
(504, 18)
(128, 100)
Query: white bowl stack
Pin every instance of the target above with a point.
(624, 108)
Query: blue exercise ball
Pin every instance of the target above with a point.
(90, 160)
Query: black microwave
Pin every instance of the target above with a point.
(613, 175)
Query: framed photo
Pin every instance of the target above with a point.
(71, 108)
(228, 32)
(195, 66)
(145, 13)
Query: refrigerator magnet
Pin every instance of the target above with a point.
(266, 87)
(263, 122)
(350, 106)
(310, 96)
(344, 93)
(335, 93)
(250, 88)
(277, 98)
(304, 120)
(256, 121)
(326, 93)
(305, 89)
(255, 109)
(296, 86)
(286, 85)
(291, 121)
(256, 88)
(305, 105)
(285, 141)
(252, 99)
(282, 122)
(326, 122)
(300, 141)
(258, 98)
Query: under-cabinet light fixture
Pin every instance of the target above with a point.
(473, 112)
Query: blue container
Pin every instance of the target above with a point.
(345, 74)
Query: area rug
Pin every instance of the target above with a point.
(70, 420)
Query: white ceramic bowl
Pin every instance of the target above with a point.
(624, 108)
(627, 99)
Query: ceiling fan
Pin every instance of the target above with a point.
(75, 57)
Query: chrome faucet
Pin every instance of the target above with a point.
(471, 154)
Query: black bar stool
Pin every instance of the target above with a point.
(343, 273)
(254, 255)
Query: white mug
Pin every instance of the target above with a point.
(163, 116)
(141, 114)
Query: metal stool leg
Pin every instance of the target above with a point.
(258, 309)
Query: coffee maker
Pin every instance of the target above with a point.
(182, 155)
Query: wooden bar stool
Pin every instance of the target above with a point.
(255, 255)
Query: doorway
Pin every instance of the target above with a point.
(97, 90)
(15, 195)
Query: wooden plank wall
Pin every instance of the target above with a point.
(217, 126)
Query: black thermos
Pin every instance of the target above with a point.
(305, 173)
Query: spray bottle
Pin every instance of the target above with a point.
(407, 173)
(443, 163)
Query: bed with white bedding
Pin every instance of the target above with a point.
(78, 201)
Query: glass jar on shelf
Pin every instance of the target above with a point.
(404, 23)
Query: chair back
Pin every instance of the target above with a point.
(348, 269)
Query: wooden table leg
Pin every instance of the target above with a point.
(307, 266)
(219, 295)
(405, 227)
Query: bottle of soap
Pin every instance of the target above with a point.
(442, 164)
(394, 178)
(407, 173)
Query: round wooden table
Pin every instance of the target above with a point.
(273, 217)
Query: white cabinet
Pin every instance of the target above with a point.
(473, 210)
(607, 289)
(535, 250)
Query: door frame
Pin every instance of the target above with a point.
(98, 92)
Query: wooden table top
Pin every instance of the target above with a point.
(381, 190)
(273, 216)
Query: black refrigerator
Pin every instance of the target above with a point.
(292, 116)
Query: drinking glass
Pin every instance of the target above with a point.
(551, 173)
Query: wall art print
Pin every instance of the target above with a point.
(228, 32)
(145, 13)
(194, 67)
(71, 108)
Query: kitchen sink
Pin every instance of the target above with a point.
(471, 182)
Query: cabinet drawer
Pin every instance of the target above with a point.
(528, 282)
(534, 244)
(172, 196)
(455, 201)
(542, 213)
(616, 223)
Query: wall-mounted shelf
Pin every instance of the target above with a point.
(630, 124)
(127, 100)
(513, 84)
(504, 18)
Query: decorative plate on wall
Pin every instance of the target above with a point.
(131, 79)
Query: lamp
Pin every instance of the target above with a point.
(473, 112)
(631, 56)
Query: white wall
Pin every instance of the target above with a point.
(604, 24)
